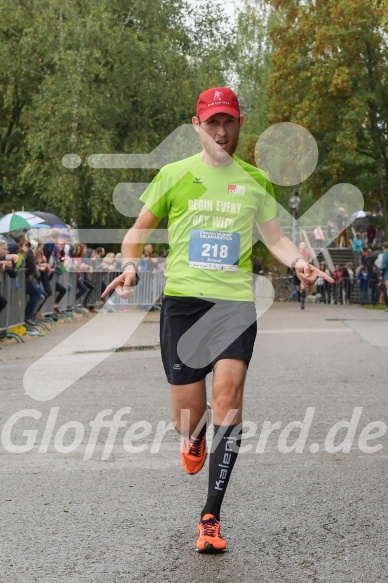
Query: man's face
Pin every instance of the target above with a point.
(148, 250)
(219, 136)
(302, 246)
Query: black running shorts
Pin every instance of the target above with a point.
(195, 333)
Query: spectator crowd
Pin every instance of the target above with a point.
(45, 261)
(367, 274)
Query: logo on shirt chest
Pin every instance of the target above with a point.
(236, 189)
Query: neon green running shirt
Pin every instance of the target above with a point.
(211, 211)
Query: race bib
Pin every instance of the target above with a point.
(214, 250)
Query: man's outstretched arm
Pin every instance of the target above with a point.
(286, 252)
(131, 250)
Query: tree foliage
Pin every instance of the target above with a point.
(119, 76)
(330, 75)
(253, 69)
(109, 77)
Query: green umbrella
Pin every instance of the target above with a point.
(18, 221)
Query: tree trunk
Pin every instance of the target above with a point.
(380, 157)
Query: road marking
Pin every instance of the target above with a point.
(307, 331)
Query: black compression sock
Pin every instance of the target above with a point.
(200, 430)
(225, 447)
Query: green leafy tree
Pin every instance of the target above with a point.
(24, 46)
(332, 79)
(110, 77)
(253, 69)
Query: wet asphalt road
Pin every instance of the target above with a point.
(313, 516)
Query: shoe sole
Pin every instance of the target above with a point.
(210, 549)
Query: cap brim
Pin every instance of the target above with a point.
(221, 109)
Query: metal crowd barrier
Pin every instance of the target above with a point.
(48, 306)
(327, 293)
(148, 291)
(14, 290)
(3, 292)
(69, 280)
(16, 299)
(97, 279)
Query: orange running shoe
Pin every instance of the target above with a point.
(210, 540)
(193, 452)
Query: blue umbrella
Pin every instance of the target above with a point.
(50, 219)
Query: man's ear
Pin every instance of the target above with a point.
(242, 119)
(195, 122)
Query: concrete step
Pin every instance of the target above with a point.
(338, 256)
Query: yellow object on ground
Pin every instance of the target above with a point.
(21, 330)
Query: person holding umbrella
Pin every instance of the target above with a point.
(35, 294)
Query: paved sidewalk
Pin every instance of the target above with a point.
(112, 504)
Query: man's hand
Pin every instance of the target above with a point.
(123, 284)
(308, 274)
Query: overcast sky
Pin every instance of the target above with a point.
(229, 6)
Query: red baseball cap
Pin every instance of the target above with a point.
(217, 100)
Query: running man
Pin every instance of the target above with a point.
(208, 317)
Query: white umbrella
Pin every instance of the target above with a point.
(360, 214)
